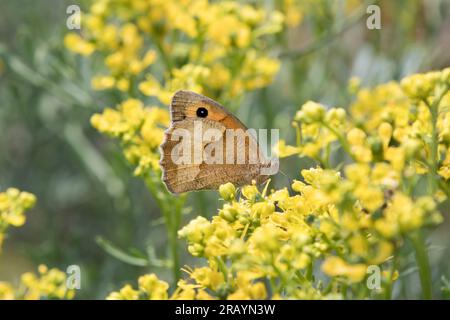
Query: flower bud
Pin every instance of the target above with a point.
(376, 146)
(385, 133)
(196, 249)
(227, 191)
(412, 147)
(298, 186)
(356, 137)
(335, 115)
(263, 209)
(311, 112)
(354, 84)
(228, 213)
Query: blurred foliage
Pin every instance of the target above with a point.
(84, 184)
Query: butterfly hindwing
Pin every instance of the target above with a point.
(199, 173)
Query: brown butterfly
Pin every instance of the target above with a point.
(204, 147)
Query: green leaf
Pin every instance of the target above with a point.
(120, 254)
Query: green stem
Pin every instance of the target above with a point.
(388, 290)
(309, 272)
(341, 139)
(174, 235)
(172, 218)
(423, 264)
(344, 288)
(434, 151)
(222, 267)
(326, 157)
(159, 42)
(174, 254)
(434, 145)
(298, 131)
(273, 286)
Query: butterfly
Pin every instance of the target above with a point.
(206, 146)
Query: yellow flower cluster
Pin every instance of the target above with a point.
(150, 288)
(216, 48)
(154, 48)
(13, 205)
(139, 128)
(405, 125)
(293, 12)
(270, 244)
(47, 284)
(266, 246)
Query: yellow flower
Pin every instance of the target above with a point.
(283, 150)
(263, 209)
(154, 288)
(103, 82)
(227, 191)
(207, 277)
(150, 87)
(78, 45)
(420, 86)
(356, 137)
(294, 15)
(49, 284)
(384, 251)
(250, 192)
(396, 156)
(6, 291)
(218, 76)
(126, 293)
(247, 289)
(386, 228)
(385, 133)
(354, 84)
(311, 112)
(266, 238)
(13, 204)
(139, 128)
(359, 245)
(335, 116)
(123, 84)
(335, 266)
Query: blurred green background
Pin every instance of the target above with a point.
(84, 186)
